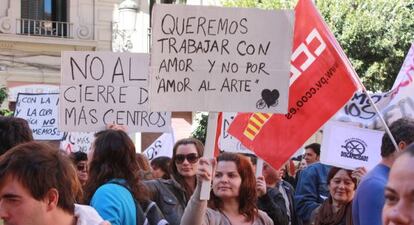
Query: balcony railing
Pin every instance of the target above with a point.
(45, 28)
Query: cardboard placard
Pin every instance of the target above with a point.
(347, 146)
(220, 59)
(41, 112)
(100, 88)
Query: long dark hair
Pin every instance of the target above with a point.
(247, 196)
(114, 157)
(173, 168)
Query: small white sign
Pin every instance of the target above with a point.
(220, 59)
(349, 147)
(41, 112)
(226, 142)
(163, 146)
(77, 141)
(100, 88)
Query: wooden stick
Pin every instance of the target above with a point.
(209, 152)
(259, 167)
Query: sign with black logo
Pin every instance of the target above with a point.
(348, 146)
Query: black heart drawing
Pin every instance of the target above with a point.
(270, 97)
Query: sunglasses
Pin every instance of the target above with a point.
(191, 158)
(82, 167)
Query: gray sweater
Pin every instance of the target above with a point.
(197, 213)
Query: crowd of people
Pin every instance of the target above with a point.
(42, 185)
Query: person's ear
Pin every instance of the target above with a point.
(402, 145)
(51, 199)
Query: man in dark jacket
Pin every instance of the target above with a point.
(279, 195)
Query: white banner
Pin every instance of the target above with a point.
(99, 88)
(163, 146)
(406, 68)
(347, 146)
(395, 104)
(220, 59)
(41, 112)
(77, 141)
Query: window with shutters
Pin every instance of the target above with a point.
(44, 18)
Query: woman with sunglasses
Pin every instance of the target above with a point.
(233, 197)
(173, 194)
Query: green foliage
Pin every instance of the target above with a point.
(3, 94)
(201, 127)
(264, 4)
(6, 112)
(375, 34)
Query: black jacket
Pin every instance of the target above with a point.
(170, 198)
(274, 205)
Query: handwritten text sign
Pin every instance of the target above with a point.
(99, 88)
(220, 59)
(41, 112)
(77, 141)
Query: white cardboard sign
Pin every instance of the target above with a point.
(347, 146)
(226, 142)
(77, 141)
(162, 146)
(220, 59)
(100, 88)
(41, 112)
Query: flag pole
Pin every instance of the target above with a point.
(259, 167)
(387, 129)
(364, 90)
(209, 151)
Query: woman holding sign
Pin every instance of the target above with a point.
(233, 199)
(172, 195)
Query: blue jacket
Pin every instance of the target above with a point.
(115, 204)
(369, 197)
(311, 190)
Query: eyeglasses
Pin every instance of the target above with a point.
(81, 167)
(191, 158)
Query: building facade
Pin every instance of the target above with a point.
(33, 33)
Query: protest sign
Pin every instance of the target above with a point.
(77, 141)
(226, 142)
(394, 104)
(220, 59)
(322, 82)
(41, 112)
(349, 147)
(100, 88)
(162, 146)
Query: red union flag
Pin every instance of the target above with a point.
(322, 81)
